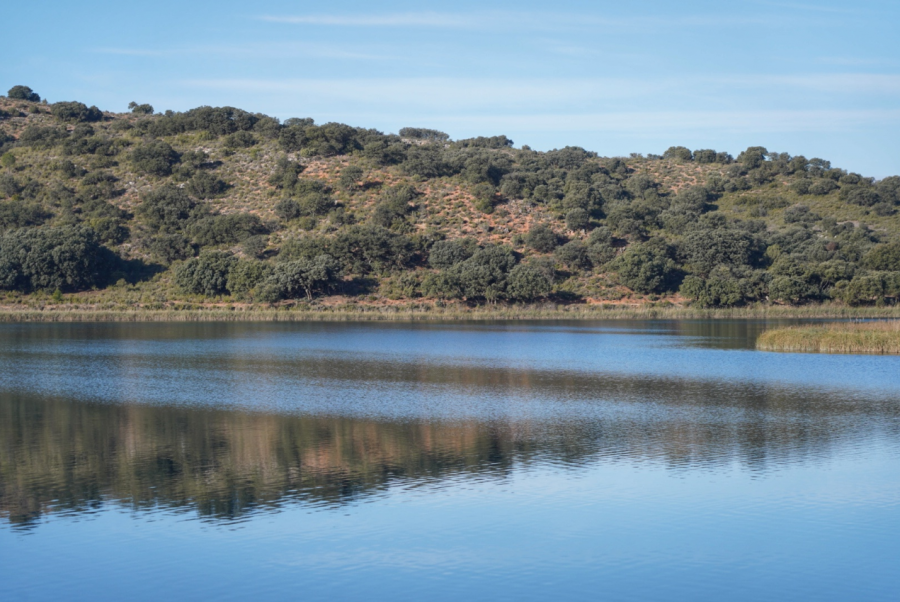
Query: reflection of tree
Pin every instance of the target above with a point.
(74, 456)
(58, 454)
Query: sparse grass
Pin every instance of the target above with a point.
(874, 338)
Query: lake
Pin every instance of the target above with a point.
(620, 460)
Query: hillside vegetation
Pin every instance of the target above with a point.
(220, 206)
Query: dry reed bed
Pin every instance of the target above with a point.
(430, 313)
(875, 338)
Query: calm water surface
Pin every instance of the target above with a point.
(656, 460)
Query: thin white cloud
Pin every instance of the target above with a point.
(129, 51)
(460, 94)
(423, 19)
(666, 107)
(519, 20)
(808, 7)
(475, 94)
(261, 50)
(661, 122)
(836, 83)
(846, 61)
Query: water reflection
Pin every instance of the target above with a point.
(231, 419)
(59, 455)
(64, 456)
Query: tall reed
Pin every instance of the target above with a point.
(876, 338)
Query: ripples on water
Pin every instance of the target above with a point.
(622, 460)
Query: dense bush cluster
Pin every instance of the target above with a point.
(217, 273)
(491, 274)
(24, 93)
(75, 112)
(68, 258)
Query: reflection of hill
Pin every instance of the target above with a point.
(73, 455)
(63, 455)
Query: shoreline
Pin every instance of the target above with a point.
(433, 314)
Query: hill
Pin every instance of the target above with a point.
(220, 206)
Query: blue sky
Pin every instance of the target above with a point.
(817, 77)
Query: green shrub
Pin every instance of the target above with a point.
(170, 247)
(23, 93)
(575, 255)
(288, 209)
(821, 187)
(350, 178)
(370, 248)
(306, 276)
(485, 275)
(246, 276)
(75, 112)
(423, 134)
(240, 139)
(207, 274)
(578, 219)
(255, 246)
(168, 208)
(647, 267)
(140, 109)
(485, 196)
(319, 140)
(68, 258)
(542, 239)
(98, 185)
(37, 136)
(226, 229)
(426, 162)
(315, 203)
(527, 283)
(394, 205)
(215, 121)
(204, 185)
(16, 214)
(285, 174)
(447, 253)
(600, 247)
(679, 153)
(306, 247)
(9, 186)
(725, 287)
(155, 158)
(109, 229)
(884, 257)
(706, 248)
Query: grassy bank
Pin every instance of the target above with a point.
(855, 337)
(432, 313)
